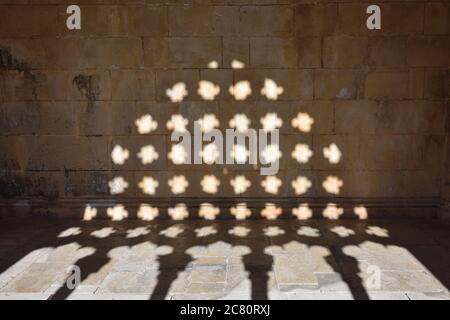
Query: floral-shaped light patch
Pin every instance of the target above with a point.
(177, 123)
(119, 155)
(240, 122)
(302, 153)
(333, 185)
(146, 124)
(117, 212)
(208, 122)
(271, 153)
(303, 122)
(179, 212)
(178, 184)
(302, 212)
(178, 154)
(361, 212)
(177, 92)
(301, 185)
(148, 154)
(240, 184)
(239, 153)
(332, 153)
(270, 122)
(213, 64)
(271, 90)
(117, 185)
(147, 213)
(271, 184)
(271, 211)
(236, 64)
(208, 90)
(210, 184)
(241, 90)
(148, 185)
(240, 211)
(210, 153)
(332, 211)
(208, 211)
(89, 213)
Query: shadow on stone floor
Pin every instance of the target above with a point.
(225, 259)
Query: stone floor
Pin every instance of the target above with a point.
(316, 259)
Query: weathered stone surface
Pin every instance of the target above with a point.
(67, 97)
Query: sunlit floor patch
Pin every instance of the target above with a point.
(283, 259)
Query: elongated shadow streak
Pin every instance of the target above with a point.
(172, 264)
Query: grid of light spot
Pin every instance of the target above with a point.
(178, 183)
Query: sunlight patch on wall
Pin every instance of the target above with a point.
(210, 184)
(146, 124)
(271, 184)
(301, 185)
(302, 153)
(240, 184)
(271, 121)
(119, 155)
(177, 93)
(179, 212)
(148, 154)
(117, 185)
(147, 213)
(332, 153)
(208, 211)
(332, 211)
(271, 211)
(89, 213)
(177, 123)
(149, 185)
(208, 90)
(361, 212)
(333, 185)
(302, 212)
(117, 213)
(236, 64)
(240, 211)
(178, 154)
(303, 122)
(240, 122)
(271, 90)
(178, 184)
(241, 90)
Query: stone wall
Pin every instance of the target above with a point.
(68, 97)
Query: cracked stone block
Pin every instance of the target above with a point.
(36, 279)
